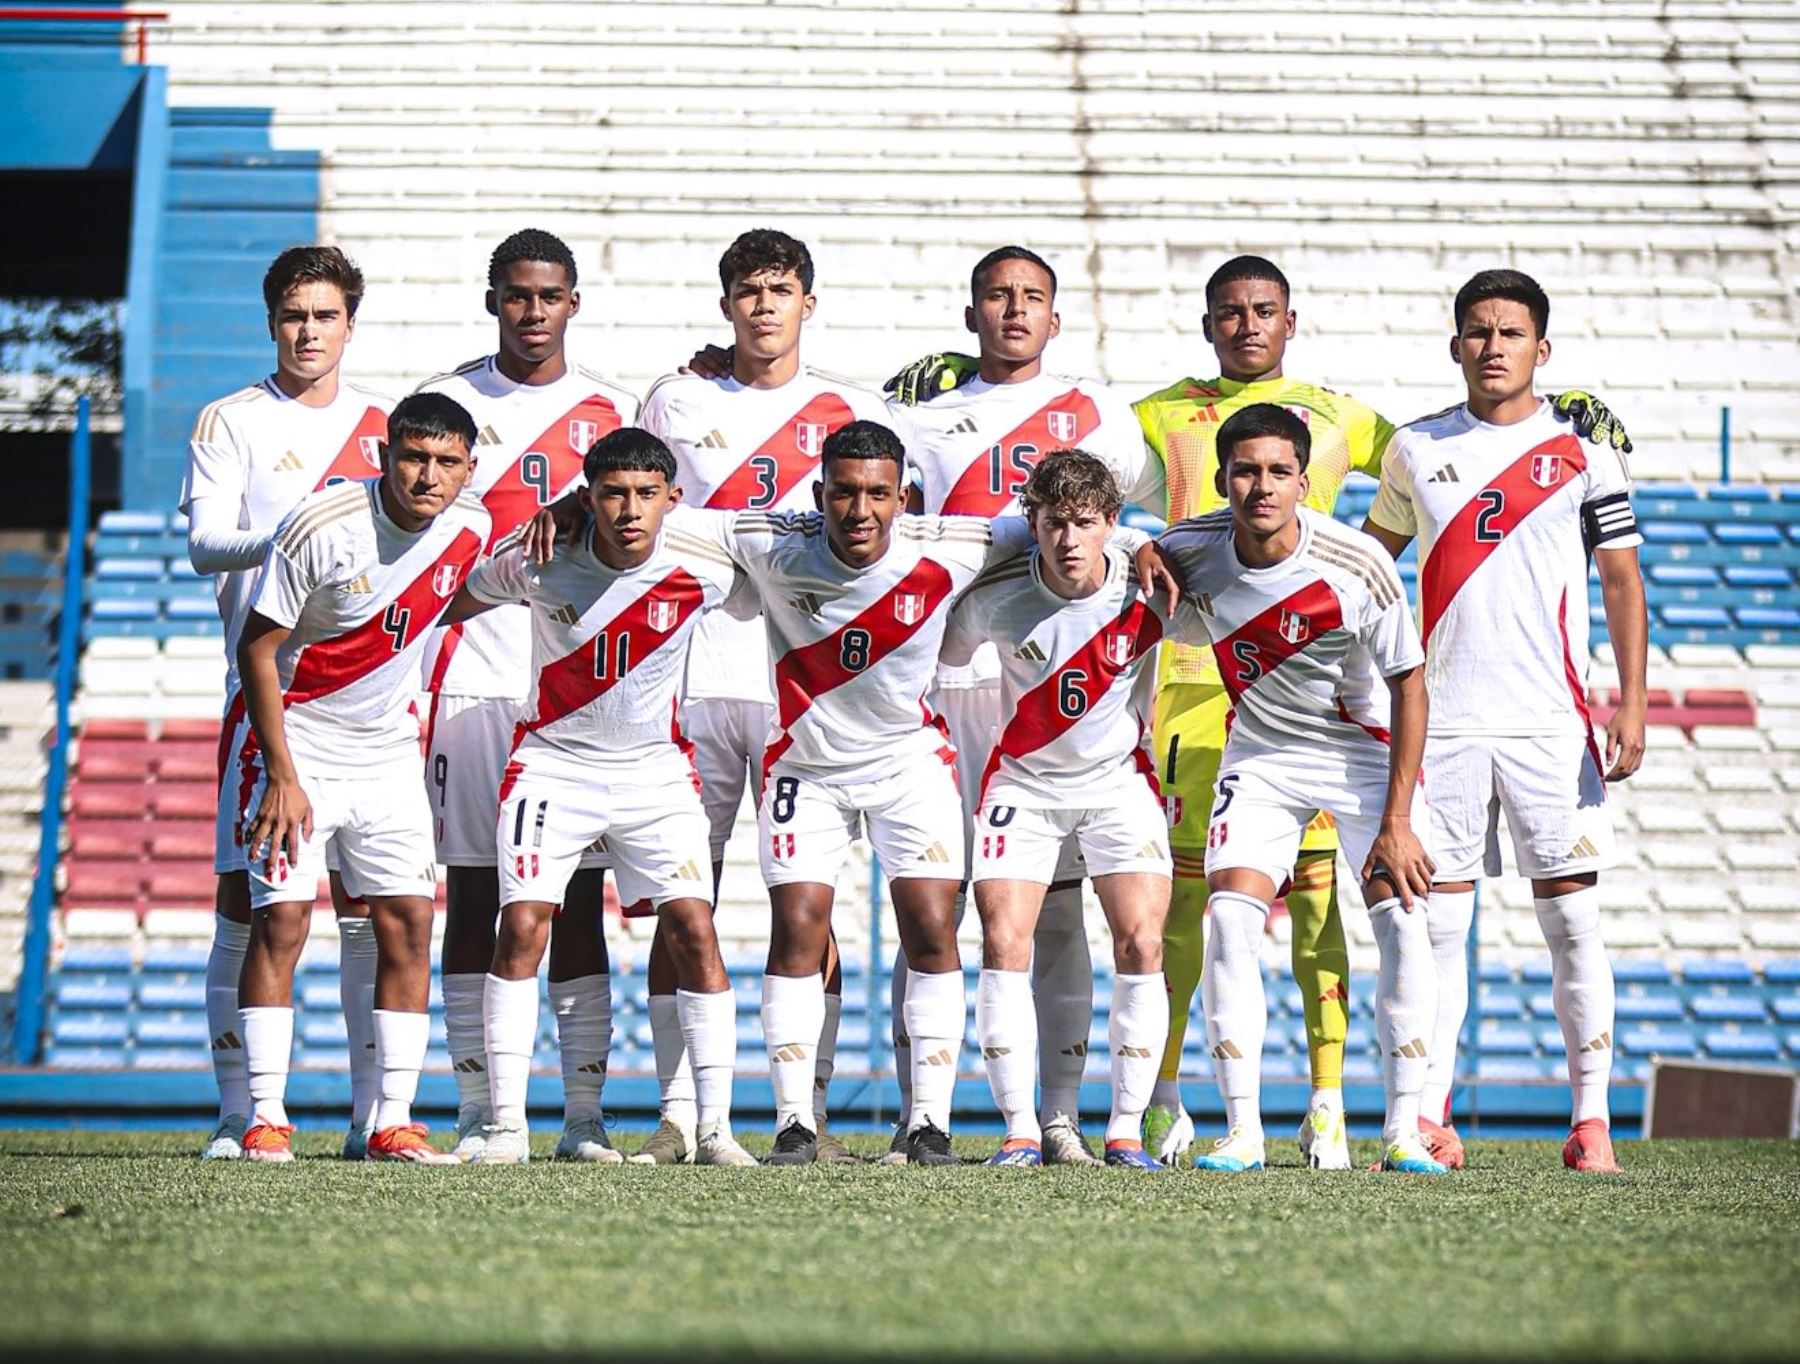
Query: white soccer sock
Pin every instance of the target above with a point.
(1007, 1026)
(674, 1069)
(793, 1015)
(709, 1026)
(1448, 916)
(358, 956)
(935, 1016)
(224, 964)
(1405, 1004)
(1062, 980)
(510, 1015)
(825, 1063)
(1136, 1032)
(268, 1036)
(463, 994)
(1582, 990)
(1237, 1015)
(902, 1043)
(400, 1041)
(584, 1025)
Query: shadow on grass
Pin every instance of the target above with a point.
(386, 1354)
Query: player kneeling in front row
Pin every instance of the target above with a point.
(598, 758)
(1308, 621)
(1073, 637)
(354, 578)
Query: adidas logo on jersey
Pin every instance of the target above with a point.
(359, 586)
(566, 614)
(807, 603)
(688, 871)
(713, 440)
(1153, 849)
(1447, 474)
(936, 853)
(964, 427)
(1204, 601)
(487, 436)
(1584, 847)
(290, 463)
(1030, 652)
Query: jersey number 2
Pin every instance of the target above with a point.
(1493, 504)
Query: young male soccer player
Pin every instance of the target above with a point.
(598, 757)
(1312, 634)
(748, 439)
(1508, 509)
(355, 577)
(538, 414)
(253, 455)
(1073, 638)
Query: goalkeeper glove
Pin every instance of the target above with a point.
(1593, 420)
(931, 375)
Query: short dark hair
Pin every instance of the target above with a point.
(763, 248)
(531, 244)
(863, 440)
(630, 448)
(312, 265)
(430, 416)
(1246, 267)
(1514, 285)
(1005, 253)
(1071, 478)
(1259, 420)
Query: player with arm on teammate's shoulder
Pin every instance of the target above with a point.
(1074, 641)
(1321, 659)
(599, 760)
(1509, 509)
(253, 455)
(353, 581)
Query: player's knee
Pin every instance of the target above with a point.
(687, 929)
(1005, 946)
(1569, 916)
(1138, 953)
(280, 930)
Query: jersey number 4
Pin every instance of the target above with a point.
(395, 622)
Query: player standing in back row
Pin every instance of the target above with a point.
(1509, 508)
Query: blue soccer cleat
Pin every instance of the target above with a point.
(1017, 1155)
(1233, 1154)
(1131, 1156)
(1410, 1156)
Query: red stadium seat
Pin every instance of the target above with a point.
(108, 727)
(108, 799)
(179, 885)
(114, 759)
(191, 731)
(186, 840)
(104, 883)
(106, 838)
(185, 761)
(184, 799)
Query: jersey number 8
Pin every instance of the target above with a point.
(853, 650)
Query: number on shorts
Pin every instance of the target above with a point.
(1493, 503)
(1071, 700)
(534, 473)
(999, 816)
(1227, 789)
(1249, 661)
(765, 468)
(440, 778)
(537, 830)
(395, 621)
(781, 809)
(612, 660)
(853, 650)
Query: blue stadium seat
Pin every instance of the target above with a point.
(144, 569)
(153, 994)
(1768, 617)
(1658, 1042)
(1502, 1040)
(1729, 1009)
(78, 1057)
(1675, 533)
(124, 609)
(1782, 971)
(1786, 1010)
(1684, 575)
(1734, 533)
(323, 1030)
(90, 1029)
(173, 1030)
(132, 523)
(1722, 971)
(1695, 617)
(96, 958)
(1743, 1046)
(1643, 970)
(176, 960)
(1753, 576)
(1649, 1008)
(91, 994)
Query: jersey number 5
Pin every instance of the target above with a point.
(1249, 661)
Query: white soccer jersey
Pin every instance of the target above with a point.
(739, 448)
(1304, 646)
(608, 647)
(255, 453)
(1074, 689)
(531, 441)
(1506, 517)
(359, 596)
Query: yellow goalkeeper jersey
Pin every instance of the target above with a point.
(1181, 423)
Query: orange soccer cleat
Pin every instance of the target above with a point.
(1446, 1147)
(1588, 1149)
(407, 1143)
(269, 1144)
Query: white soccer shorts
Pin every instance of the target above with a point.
(646, 814)
(728, 738)
(912, 816)
(377, 821)
(236, 774)
(1130, 833)
(1265, 800)
(1550, 787)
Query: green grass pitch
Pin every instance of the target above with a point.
(122, 1244)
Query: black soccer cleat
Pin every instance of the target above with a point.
(795, 1144)
(928, 1145)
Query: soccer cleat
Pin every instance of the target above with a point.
(1168, 1132)
(1233, 1154)
(227, 1139)
(1323, 1139)
(584, 1139)
(471, 1121)
(795, 1144)
(832, 1151)
(504, 1144)
(929, 1144)
(1411, 1156)
(1064, 1144)
(717, 1147)
(268, 1144)
(1017, 1154)
(1442, 1141)
(896, 1152)
(670, 1144)
(1588, 1149)
(408, 1143)
(1131, 1155)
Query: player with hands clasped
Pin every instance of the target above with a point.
(1316, 646)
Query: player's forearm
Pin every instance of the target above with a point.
(215, 548)
(1406, 742)
(1627, 625)
(262, 702)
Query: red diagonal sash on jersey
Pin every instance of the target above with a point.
(1264, 642)
(333, 664)
(1042, 717)
(807, 673)
(548, 465)
(789, 454)
(361, 456)
(1488, 518)
(989, 485)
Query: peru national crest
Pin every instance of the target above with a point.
(582, 435)
(909, 607)
(1061, 425)
(371, 450)
(1117, 649)
(661, 615)
(1546, 470)
(810, 438)
(1294, 627)
(443, 582)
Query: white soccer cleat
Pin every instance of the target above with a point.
(1411, 1156)
(584, 1139)
(1233, 1153)
(672, 1143)
(1064, 1145)
(718, 1147)
(504, 1144)
(471, 1121)
(227, 1139)
(1168, 1133)
(1324, 1140)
